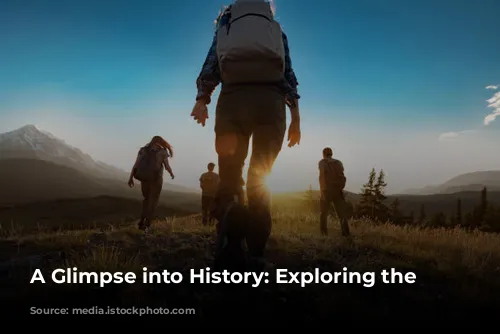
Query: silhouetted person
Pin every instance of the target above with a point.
(208, 184)
(241, 193)
(148, 169)
(332, 182)
(252, 103)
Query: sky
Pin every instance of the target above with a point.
(410, 87)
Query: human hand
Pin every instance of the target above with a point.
(200, 112)
(294, 133)
(131, 182)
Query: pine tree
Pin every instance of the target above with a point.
(458, 217)
(422, 217)
(366, 203)
(469, 220)
(483, 207)
(395, 212)
(381, 211)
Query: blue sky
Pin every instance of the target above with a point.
(380, 81)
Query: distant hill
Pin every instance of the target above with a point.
(474, 181)
(445, 203)
(30, 142)
(31, 180)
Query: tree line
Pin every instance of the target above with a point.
(373, 204)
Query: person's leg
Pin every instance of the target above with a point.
(154, 196)
(145, 189)
(269, 119)
(324, 211)
(204, 209)
(241, 192)
(210, 201)
(231, 143)
(341, 209)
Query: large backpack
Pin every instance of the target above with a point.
(334, 175)
(148, 167)
(250, 46)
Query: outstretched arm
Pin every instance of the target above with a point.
(134, 167)
(209, 77)
(322, 181)
(132, 172)
(167, 166)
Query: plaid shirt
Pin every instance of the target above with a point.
(210, 76)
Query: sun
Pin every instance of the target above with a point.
(265, 183)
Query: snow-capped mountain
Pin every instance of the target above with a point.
(34, 143)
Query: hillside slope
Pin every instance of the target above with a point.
(77, 213)
(30, 142)
(32, 180)
(467, 182)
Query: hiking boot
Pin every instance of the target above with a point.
(145, 225)
(140, 224)
(344, 226)
(230, 253)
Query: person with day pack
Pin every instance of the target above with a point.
(208, 184)
(332, 182)
(148, 169)
(250, 57)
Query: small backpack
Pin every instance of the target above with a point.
(210, 182)
(334, 174)
(148, 168)
(250, 46)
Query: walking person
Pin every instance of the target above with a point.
(250, 57)
(148, 169)
(208, 184)
(332, 182)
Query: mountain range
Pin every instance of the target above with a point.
(30, 142)
(36, 165)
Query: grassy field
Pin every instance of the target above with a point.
(457, 272)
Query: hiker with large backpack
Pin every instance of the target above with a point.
(208, 184)
(148, 169)
(250, 57)
(332, 182)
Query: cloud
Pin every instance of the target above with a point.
(493, 103)
(451, 136)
